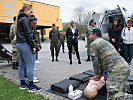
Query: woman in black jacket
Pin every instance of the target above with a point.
(26, 47)
(115, 34)
(72, 40)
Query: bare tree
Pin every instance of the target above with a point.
(79, 15)
(82, 18)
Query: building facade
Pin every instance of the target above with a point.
(45, 13)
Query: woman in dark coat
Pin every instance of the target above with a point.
(115, 34)
(72, 40)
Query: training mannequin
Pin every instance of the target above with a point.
(93, 87)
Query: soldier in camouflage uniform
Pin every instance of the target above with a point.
(62, 38)
(54, 37)
(15, 59)
(91, 26)
(105, 58)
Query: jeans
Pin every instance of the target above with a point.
(34, 59)
(25, 59)
(128, 52)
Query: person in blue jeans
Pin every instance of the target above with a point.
(127, 36)
(26, 47)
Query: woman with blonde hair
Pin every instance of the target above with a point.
(72, 40)
(26, 47)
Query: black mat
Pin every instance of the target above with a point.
(90, 72)
(81, 77)
(81, 87)
(130, 78)
(63, 86)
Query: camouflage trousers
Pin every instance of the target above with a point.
(61, 44)
(14, 54)
(88, 47)
(56, 47)
(115, 83)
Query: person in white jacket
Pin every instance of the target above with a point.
(127, 36)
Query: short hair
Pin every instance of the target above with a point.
(53, 24)
(97, 32)
(14, 18)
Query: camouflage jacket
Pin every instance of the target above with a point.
(37, 42)
(62, 37)
(54, 36)
(12, 35)
(104, 56)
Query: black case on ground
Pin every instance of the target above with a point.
(81, 77)
(63, 86)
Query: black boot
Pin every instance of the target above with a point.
(70, 62)
(79, 62)
(15, 66)
(63, 51)
(52, 59)
(88, 59)
(57, 59)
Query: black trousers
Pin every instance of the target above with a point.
(116, 44)
(75, 45)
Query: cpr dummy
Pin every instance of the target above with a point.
(93, 87)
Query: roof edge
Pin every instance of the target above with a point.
(43, 3)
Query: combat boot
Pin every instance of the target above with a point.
(57, 59)
(52, 59)
(15, 66)
(88, 59)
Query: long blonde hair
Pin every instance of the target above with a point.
(24, 8)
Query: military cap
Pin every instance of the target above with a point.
(92, 20)
(96, 30)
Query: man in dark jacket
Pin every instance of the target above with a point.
(71, 35)
(54, 37)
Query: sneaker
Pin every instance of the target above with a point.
(35, 69)
(35, 80)
(22, 87)
(37, 62)
(34, 89)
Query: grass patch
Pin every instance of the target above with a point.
(9, 91)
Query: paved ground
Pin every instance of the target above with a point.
(50, 72)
